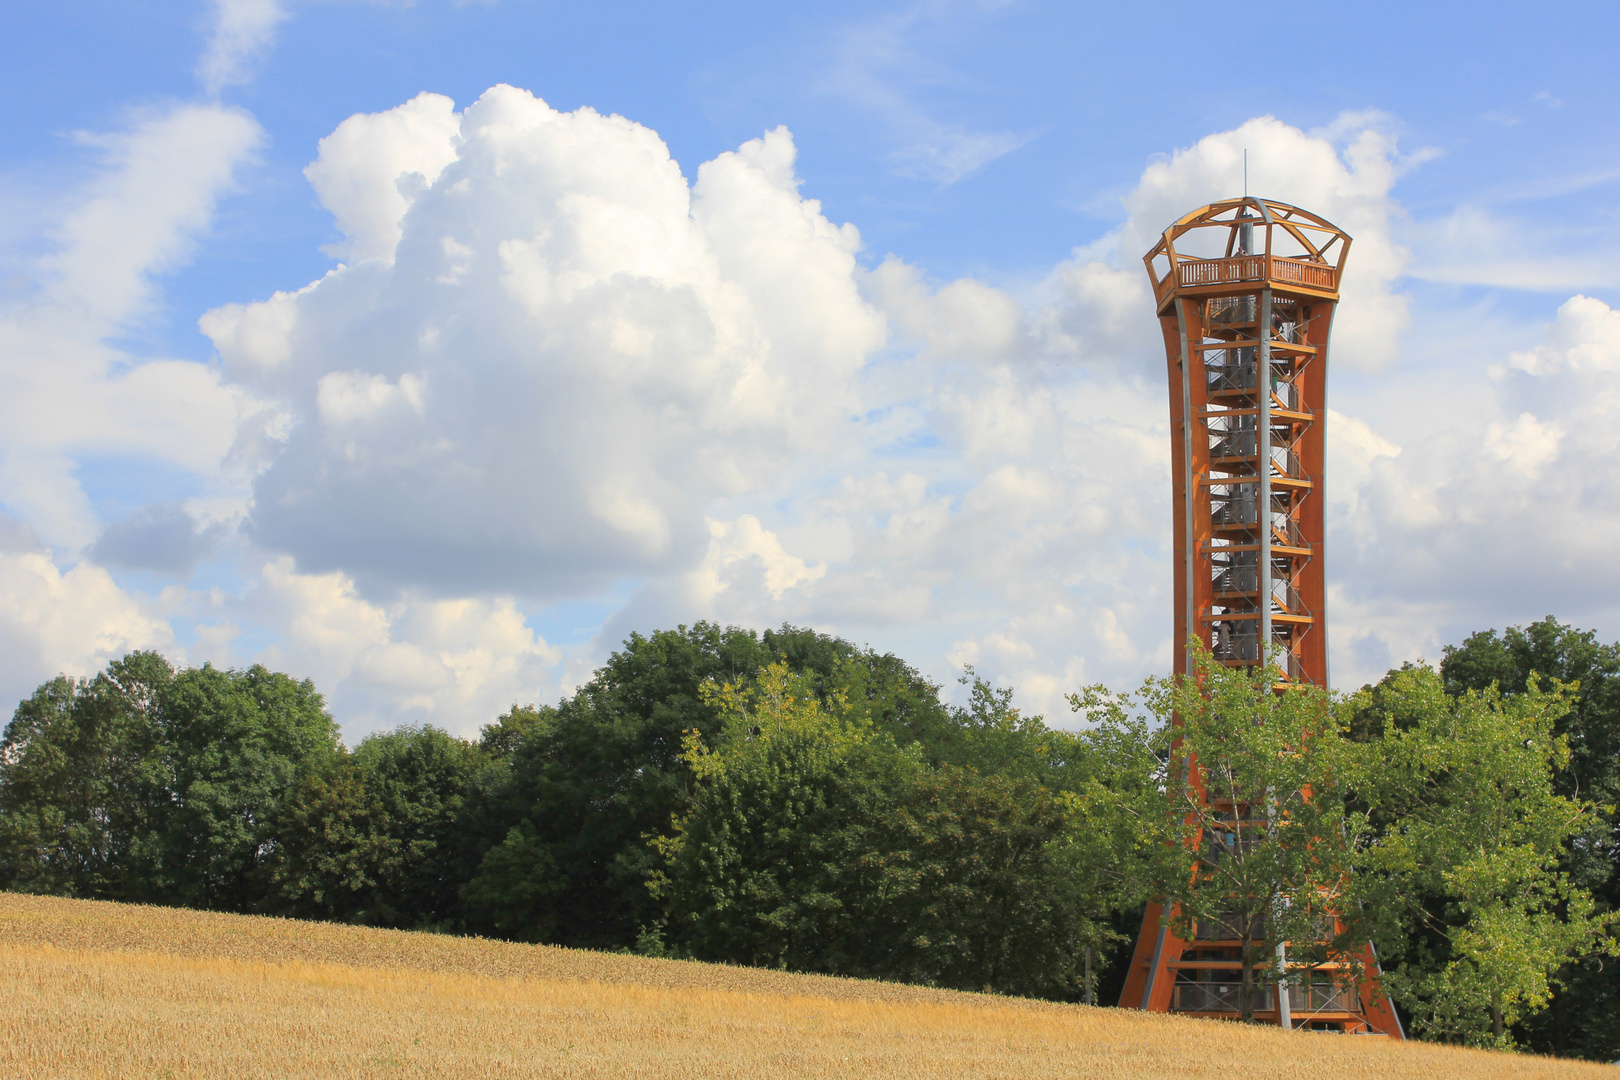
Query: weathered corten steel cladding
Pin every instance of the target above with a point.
(1246, 291)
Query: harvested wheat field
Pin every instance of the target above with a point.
(95, 989)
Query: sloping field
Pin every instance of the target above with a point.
(93, 989)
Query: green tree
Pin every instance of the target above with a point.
(586, 781)
(234, 743)
(148, 784)
(776, 863)
(815, 841)
(882, 689)
(323, 849)
(516, 890)
(83, 784)
(372, 838)
(989, 883)
(1579, 1022)
(575, 789)
(1256, 836)
(1476, 915)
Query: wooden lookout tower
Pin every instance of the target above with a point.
(1245, 291)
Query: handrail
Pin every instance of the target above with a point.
(1312, 274)
(1217, 271)
(1217, 997)
(1286, 532)
(1194, 272)
(1323, 997)
(1285, 599)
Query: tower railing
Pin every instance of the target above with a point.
(1223, 997)
(1193, 273)
(1321, 997)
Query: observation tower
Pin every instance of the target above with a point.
(1245, 291)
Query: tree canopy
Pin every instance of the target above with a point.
(148, 784)
(1476, 914)
(1579, 1021)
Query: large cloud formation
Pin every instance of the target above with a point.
(1506, 511)
(537, 375)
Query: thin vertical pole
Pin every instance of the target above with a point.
(1158, 955)
(1263, 421)
(1285, 1009)
(1190, 495)
(1319, 553)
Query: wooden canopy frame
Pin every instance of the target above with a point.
(1315, 271)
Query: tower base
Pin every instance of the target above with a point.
(1170, 975)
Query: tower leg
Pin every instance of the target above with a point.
(1150, 982)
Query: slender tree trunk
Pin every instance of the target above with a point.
(1091, 998)
(1496, 1020)
(1246, 986)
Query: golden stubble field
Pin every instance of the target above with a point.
(106, 990)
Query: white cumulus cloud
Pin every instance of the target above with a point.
(1504, 513)
(458, 663)
(374, 166)
(566, 353)
(54, 622)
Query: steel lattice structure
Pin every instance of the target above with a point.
(1246, 291)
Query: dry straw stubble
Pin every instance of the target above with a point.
(92, 989)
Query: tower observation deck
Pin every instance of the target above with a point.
(1246, 291)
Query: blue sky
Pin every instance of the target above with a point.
(987, 154)
(1518, 106)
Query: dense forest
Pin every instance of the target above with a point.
(788, 799)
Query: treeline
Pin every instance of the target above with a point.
(790, 800)
(781, 799)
